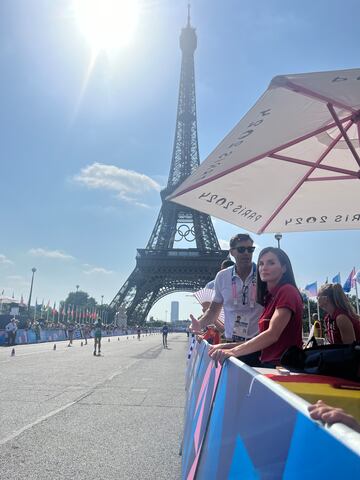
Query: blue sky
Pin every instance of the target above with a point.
(85, 153)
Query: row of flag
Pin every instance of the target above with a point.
(69, 312)
(354, 277)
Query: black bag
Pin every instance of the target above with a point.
(334, 360)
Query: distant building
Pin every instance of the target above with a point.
(174, 315)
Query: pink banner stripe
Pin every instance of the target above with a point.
(191, 474)
(305, 177)
(344, 134)
(217, 375)
(312, 164)
(310, 93)
(198, 425)
(258, 157)
(197, 443)
(204, 384)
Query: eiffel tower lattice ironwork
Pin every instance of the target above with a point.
(160, 268)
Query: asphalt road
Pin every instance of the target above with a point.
(66, 414)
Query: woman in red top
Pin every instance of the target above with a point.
(342, 323)
(280, 325)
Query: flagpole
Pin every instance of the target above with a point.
(357, 297)
(309, 313)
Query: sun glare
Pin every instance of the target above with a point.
(107, 24)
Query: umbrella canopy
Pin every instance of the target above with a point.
(291, 163)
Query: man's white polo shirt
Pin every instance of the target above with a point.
(241, 312)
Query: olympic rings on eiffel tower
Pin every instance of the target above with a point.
(185, 233)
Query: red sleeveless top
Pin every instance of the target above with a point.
(333, 331)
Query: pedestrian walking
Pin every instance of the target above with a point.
(165, 331)
(71, 328)
(97, 336)
(11, 329)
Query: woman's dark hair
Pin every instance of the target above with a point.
(288, 276)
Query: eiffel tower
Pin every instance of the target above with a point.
(161, 268)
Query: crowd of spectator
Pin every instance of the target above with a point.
(80, 330)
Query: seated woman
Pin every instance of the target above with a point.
(342, 323)
(280, 324)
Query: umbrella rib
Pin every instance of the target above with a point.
(310, 93)
(343, 132)
(350, 173)
(258, 157)
(304, 178)
(340, 177)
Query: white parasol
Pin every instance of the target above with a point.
(291, 163)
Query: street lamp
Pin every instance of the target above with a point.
(77, 288)
(278, 237)
(31, 287)
(102, 299)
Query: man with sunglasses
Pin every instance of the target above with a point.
(235, 291)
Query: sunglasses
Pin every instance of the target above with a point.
(244, 249)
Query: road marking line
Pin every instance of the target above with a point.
(15, 434)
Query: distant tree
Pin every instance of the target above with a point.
(313, 309)
(352, 299)
(154, 323)
(80, 299)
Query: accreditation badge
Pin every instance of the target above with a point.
(241, 325)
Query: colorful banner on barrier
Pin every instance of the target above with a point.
(253, 430)
(202, 390)
(49, 335)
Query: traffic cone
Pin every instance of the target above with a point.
(54, 347)
(13, 352)
(81, 344)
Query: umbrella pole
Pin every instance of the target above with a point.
(318, 310)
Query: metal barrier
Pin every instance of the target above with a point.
(242, 425)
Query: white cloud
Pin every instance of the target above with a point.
(4, 260)
(57, 254)
(224, 244)
(126, 184)
(97, 270)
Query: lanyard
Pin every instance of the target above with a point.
(248, 290)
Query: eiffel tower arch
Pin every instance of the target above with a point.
(162, 268)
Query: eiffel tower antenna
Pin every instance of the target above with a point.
(161, 268)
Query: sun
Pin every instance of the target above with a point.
(107, 24)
